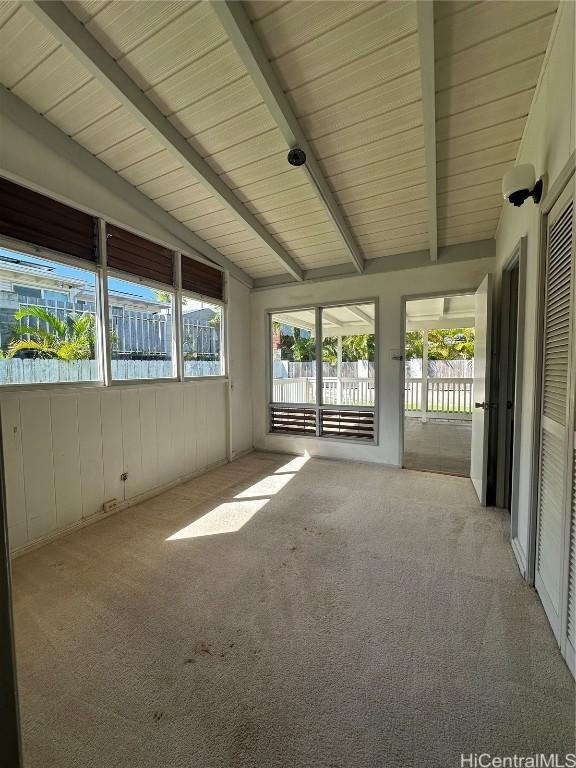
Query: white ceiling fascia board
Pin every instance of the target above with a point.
(425, 17)
(293, 320)
(66, 28)
(241, 33)
(360, 314)
(331, 319)
(426, 309)
(47, 134)
(447, 254)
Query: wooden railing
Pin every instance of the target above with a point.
(347, 391)
(334, 391)
(446, 397)
(301, 390)
(449, 397)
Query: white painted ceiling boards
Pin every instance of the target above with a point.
(351, 72)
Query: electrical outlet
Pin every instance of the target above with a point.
(124, 476)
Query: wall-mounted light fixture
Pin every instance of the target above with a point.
(520, 183)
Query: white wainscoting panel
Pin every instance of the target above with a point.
(65, 450)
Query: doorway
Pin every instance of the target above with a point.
(438, 383)
(511, 343)
(508, 382)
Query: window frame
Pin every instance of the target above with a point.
(18, 246)
(101, 272)
(319, 406)
(270, 378)
(223, 334)
(15, 287)
(126, 277)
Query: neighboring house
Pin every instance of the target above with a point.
(140, 326)
(201, 334)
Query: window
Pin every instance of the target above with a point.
(348, 355)
(338, 378)
(27, 291)
(202, 346)
(141, 330)
(59, 296)
(45, 335)
(55, 310)
(293, 337)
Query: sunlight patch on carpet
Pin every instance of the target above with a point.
(225, 518)
(267, 487)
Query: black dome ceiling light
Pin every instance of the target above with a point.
(296, 156)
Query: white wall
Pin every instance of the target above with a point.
(25, 159)
(65, 449)
(388, 288)
(547, 143)
(239, 332)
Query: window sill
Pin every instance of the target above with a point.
(66, 386)
(325, 438)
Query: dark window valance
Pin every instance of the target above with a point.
(138, 256)
(200, 278)
(36, 219)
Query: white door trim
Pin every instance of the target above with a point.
(482, 391)
(402, 352)
(518, 258)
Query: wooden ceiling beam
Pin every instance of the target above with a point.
(241, 33)
(425, 21)
(73, 36)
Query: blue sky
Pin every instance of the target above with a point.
(115, 285)
(62, 270)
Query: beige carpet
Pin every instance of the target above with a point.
(332, 615)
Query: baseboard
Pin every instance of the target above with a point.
(132, 502)
(548, 606)
(570, 656)
(245, 452)
(519, 555)
(319, 456)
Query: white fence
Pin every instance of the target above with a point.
(348, 391)
(300, 390)
(286, 369)
(334, 391)
(451, 397)
(17, 371)
(446, 397)
(448, 385)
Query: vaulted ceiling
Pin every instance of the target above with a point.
(197, 109)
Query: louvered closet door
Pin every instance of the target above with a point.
(571, 607)
(556, 451)
(568, 646)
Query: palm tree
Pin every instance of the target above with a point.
(71, 338)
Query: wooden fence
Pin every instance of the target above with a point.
(17, 371)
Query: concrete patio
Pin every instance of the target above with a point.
(437, 446)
